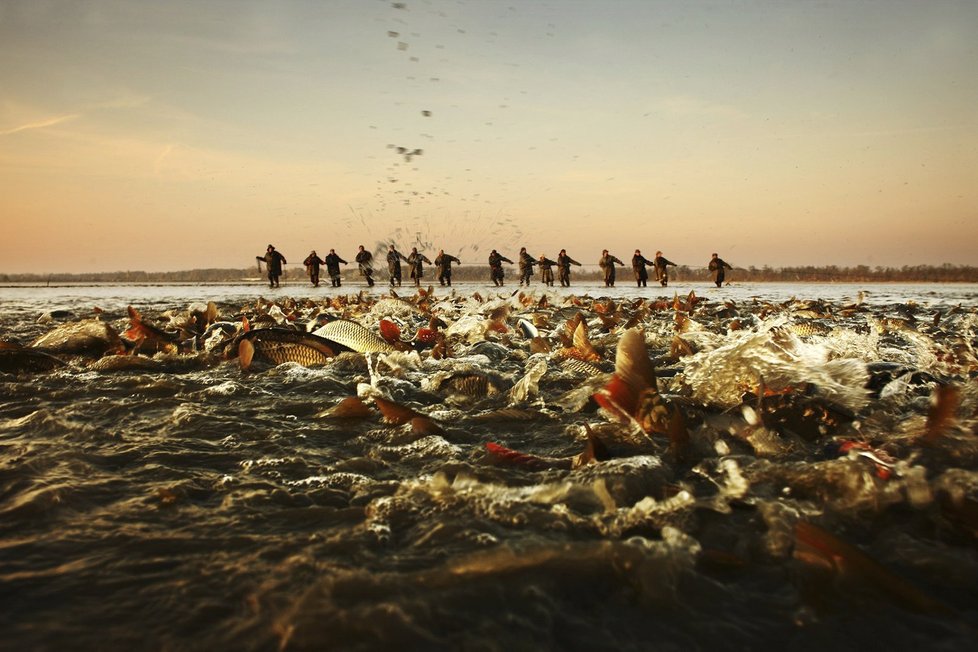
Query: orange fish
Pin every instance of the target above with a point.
(632, 394)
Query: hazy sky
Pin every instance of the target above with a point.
(176, 135)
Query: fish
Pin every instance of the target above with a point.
(279, 345)
(527, 328)
(351, 407)
(397, 415)
(16, 359)
(497, 320)
(578, 366)
(147, 337)
(594, 451)
(353, 337)
(423, 338)
(632, 394)
(814, 545)
(472, 384)
(88, 337)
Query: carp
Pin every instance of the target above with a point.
(16, 359)
(280, 345)
(89, 337)
(353, 337)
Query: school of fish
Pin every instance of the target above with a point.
(654, 443)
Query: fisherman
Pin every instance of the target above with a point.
(638, 266)
(333, 267)
(365, 260)
(661, 264)
(526, 266)
(563, 267)
(312, 263)
(607, 265)
(717, 266)
(416, 260)
(443, 262)
(394, 258)
(546, 270)
(273, 262)
(496, 261)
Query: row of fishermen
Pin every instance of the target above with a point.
(443, 262)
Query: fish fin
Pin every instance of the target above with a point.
(617, 397)
(246, 353)
(944, 403)
(425, 426)
(594, 450)
(212, 313)
(441, 349)
(500, 313)
(582, 344)
(524, 460)
(393, 413)
(390, 331)
(351, 407)
(425, 338)
(539, 345)
(632, 363)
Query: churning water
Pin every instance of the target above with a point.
(186, 504)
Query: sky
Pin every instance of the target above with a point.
(166, 136)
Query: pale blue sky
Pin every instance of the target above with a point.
(172, 135)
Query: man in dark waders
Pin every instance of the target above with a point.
(312, 263)
(661, 264)
(717, 266)
(394, 258)
(416, 260)
(333, 267)
(273, 262)
(607, 264)
(564, 263)
(444, 262)
(638, 266)
(526, 267)
(496, 261)
(365, 260)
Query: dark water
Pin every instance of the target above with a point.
(195, 506)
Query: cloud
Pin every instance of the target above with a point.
(40, 124)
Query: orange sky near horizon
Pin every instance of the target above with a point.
(171, 136)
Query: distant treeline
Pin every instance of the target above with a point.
(859, 274)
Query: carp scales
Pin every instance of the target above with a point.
(354, 337)
(280, 345)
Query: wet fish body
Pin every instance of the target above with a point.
(88, 337)
(354, 337)
(24, 360)
(280, 345)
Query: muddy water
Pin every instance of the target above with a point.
(190, 505)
